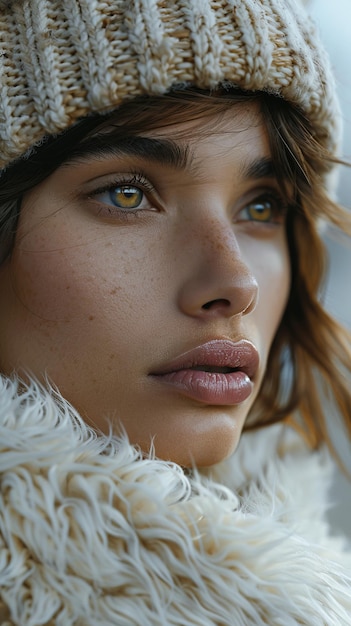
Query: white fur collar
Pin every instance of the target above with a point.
(93, 534)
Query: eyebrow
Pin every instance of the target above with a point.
(158, 150)
(260, 168)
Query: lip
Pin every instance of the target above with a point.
(194, 374)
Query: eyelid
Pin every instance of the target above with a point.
(272, 190)
(136, 179)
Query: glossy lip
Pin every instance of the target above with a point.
(201, 372)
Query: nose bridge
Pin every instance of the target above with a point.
(225, 259)
(219, 243)
(219, 279)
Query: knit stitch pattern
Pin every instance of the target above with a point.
(61, 60)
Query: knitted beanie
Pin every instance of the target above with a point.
(61, 60)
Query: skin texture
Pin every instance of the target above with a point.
(97, 299)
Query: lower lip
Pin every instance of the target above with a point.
(210, 387)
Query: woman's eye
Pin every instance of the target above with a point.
(264, 210)
(122, 197)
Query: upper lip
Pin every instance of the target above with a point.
(217, 353)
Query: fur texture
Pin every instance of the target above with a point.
(93, 533)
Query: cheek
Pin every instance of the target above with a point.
(74, 278)
(78, 293)
(70, 297)
(45, 284)
(273, 276)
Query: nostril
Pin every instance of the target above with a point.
(218, 303)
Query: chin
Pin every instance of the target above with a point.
(205, 451)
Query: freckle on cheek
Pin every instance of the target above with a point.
(91, 317)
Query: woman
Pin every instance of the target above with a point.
(166, 167)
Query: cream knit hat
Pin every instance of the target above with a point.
(60, 60)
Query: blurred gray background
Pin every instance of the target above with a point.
(333, 18)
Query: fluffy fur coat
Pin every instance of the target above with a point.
(93, 534)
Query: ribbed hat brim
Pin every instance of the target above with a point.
(62, 60)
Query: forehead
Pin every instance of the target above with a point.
(223, 127)
(183, 119)
(235, 137)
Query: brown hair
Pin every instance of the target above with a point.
(318, 349)
(311, 353)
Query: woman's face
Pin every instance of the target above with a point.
(148, 281)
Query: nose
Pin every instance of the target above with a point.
(219, 281)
